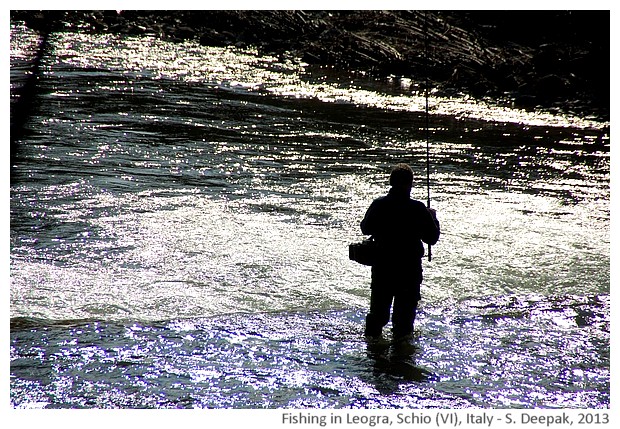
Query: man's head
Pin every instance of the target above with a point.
(401, 177)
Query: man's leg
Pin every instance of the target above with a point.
(403, 316)
(379, 313)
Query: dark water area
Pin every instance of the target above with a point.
(180, 217)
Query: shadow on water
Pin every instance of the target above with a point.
(394, 363)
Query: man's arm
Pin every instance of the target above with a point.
(431, 231)
(368, 223)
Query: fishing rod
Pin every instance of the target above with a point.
(428, 156)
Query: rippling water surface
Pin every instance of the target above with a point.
(179, 225)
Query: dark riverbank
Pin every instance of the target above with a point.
(558, 60)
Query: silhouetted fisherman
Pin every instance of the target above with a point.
(399, 225)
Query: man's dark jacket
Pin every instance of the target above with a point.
(399, 224)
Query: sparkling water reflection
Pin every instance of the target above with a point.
(179, 225)
(534, 353)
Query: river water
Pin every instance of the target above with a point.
(180, 217)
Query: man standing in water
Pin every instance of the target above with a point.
(399, 225)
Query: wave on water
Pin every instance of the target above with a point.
(511, 352)
(179, 223)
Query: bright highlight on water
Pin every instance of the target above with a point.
(180, 217)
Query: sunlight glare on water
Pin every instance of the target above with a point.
(180, 217)
(161, 257)
(283, 217)
(505, 239)
(525, 354)
(246, 70)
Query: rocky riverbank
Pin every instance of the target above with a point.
(558, 60)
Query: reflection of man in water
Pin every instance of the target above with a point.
(399, 224)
